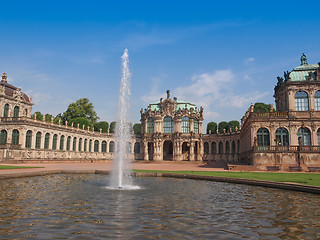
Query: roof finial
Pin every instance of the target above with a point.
(168, 94)
(4, 77)
(303, 59)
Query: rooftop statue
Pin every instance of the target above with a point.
(303, 59)
(168, 93)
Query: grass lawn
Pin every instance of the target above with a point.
(14, 167)
(312, 179)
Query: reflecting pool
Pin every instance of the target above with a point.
(67, 206)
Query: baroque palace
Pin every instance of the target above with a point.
(171, 130)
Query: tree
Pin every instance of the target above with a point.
(261, 107)
(137, 128)
(81, 108)
(56, 119)
(212, 126)
(222, 125)
(103, 125)
(82, 122)
(233, 125)
(48, 117)
(38, 115)
(112, 127)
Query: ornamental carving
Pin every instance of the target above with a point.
(2, 90)
(17, 95)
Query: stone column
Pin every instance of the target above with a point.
(291, 103)
(272, 134)
(145, 151)
(314, 137)
(191, 125)
(191, 150)
(311, 100)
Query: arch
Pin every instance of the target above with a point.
(301, 101)
(85, 145)
(196, 126)
(28, 139)
(61, 143)
(282, 136)
(104, 146)
(150, 125)
(136, 148)
(220, 147)
(38, 140)
(185, 125)
(3, 137)
(263, 137)
(96, 146)
(318, 136)
(317, 101)
(233, 148)
(227, 147)
(206, 148)
(80, 145)
(16, 112)
(90, 145)
(46, 140)
(6, 110)
(167, 150)
(213, 147)
(167, 124)
(54, 142)
(305, 135)
(74, 143)
(68, 143)
(15, 137)
(111, 147)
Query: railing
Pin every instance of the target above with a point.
(274, 149)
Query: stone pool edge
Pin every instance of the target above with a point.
(270, 184)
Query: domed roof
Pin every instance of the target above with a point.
(304, 72)
(11, 90)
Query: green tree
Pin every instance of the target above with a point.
(112, 127)
(38, 115)
(103, 125)
(261, 107)
(233, 125)
(48, 117)
(222, 125)
(81, 108)
(212, 126)
(82, 121)
(137, 128)
(56, 119)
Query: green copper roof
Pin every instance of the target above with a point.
(301, 73)
(180, 104)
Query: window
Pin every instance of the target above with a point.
(227, 147)
(185, 125)
(46, 141)
(233, 147)
(301, 100)
(16, 112)
(220, 147)
(150, 125)
(263, 137)
(282, 135)
(214, 148)
(15, 137)
(104, 146)
(68, 143)
(3, 137)
(6, 110)
(61, 143)
(85, 145)
(28, 139)
(206, 148)
(305, 135)
(90, 145)
(80, 145)
(74, 144)
(96, 146)
(136, 148)
(54, 142)
(196, 126)
(111, 147)
(318, 136)
(38, 140)
(167, 125)
(317, 101)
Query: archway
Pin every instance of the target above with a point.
(167, 150)
(150, 151)
(185, 151)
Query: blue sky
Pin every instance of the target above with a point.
(217, 54)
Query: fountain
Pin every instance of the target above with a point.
(121, 170)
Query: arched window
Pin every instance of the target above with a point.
(238, 146)
(68, 143)
(54, 142)
(233, 148)
(136, 148)
(46, 141)
(15, 137)
(213, 148)
(282, 135)
(167, 125)
(16, 112)
(3, 137)
(196, 126)
(301, 100)
(6, 110)
(206, 148)
(80, 145)
(220, 147)
(28, 139)
(111, 147)
(263, 137)
(85, 145)
(185, 125)
(90, 145)
(74, 144)
(96, 146)
(317, 101)
(150, 125)
(227, 147)
(61, 143)
(305, 135)
(128, 147)
(104, 146)
(38, 140)
(318, 136)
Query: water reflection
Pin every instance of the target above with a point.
(80, 207)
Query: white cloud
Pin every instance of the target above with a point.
(39, 99)
(249, 61)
